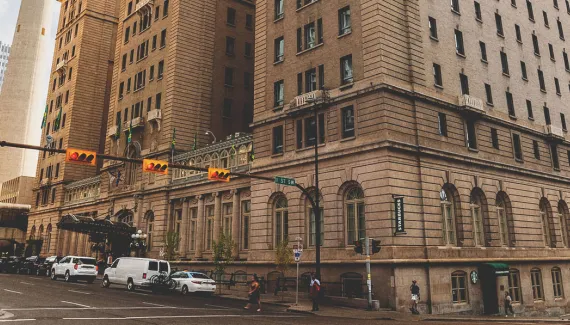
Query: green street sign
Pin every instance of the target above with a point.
(285, 181)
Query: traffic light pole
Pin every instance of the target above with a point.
(316, 203)
(368, 276)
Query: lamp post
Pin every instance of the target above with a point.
(139, 241)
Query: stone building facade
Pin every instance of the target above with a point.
(443, 106)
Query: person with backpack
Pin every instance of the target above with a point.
(315, 291)
(415, 291)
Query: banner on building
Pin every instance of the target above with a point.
(399, 214)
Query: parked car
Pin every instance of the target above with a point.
(193, 282)
(134, 272)
(73, 268)
(13, 264)
(3, 264)
(45, 267)
(30, 265)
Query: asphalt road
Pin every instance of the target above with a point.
(31, 299)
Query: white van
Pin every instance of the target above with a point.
(134, 272)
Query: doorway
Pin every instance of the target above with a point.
(489, 290)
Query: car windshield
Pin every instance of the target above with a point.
(198, 276)
(88, 261)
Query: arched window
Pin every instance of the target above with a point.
(459, 287)
(199, 162)
(127, 217)
(536, 282)
(448, 216)
(207, 161)
(505, 218)
(233, 157)
(515, 285)
(355, 216)
(557, 286)
(546, 219)
(563, 218)
(224, 160)
(281, 220)
(310, 217)
(478, 206)
(215, 163)
(242, 156)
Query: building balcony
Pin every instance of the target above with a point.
(45, 182)
(112, 131)
(155, 116)
(471, 104)
(553, 132)
(307, 98)
(135, 123)
(61, 66)
(144, 5)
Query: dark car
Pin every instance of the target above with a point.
(30, 265)
(13, 264)
(3, 264)
(45, 267)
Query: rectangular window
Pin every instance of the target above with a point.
(563, 121)
(299, 40)
(530, 10)
(149, 104)
(442, 124)
(344, 22)
(432, 27)
(132, 56)
(566, 61)
(510, 104)
(459, 287)
(158, 100)
(557, 86)
(483, 48)
(248, 52)
(459, 47)
(471, 134)
(495, 138)
(151, 73)
(160, 71)
(321, 76)
(557, 287)
(348, 122)
(310, 80)
(523, 71)
(554, 154)
(455, 5)
(248, 21)
(505, 63)
(517, 146)
(124, 62)
(231, 17)
(346, 69)
(127, 34)
(230, 46)
(555, 4)
(278, 93)
(551, 50)
(547, 115)
(128, 85)
(278, 140)
(245, 217)
(478, 15)
(279, 9)
(518, 33)
(568, 6)
(299, 83)
(464, 81)
(437, 78)
(121, 89)
(529, 110)
(545, 16)
(536, 149)
(229, 77)
(154, 39)
(560, 30)
(310, 35)
(499, 23)
(515, 286)
(279, 49)
(535, 45)
(541, 80)
(163, 38)
(536, 282)
(489, 94)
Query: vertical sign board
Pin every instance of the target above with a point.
(399, 214)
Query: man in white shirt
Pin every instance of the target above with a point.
(315, 291)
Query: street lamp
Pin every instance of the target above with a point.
(139, 241)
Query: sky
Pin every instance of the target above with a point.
(9, 10)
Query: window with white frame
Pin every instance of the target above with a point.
(355, 215)
(448, 217)
(344, 23)
(311, 219)
(536, 282)
(346, 69)
(227, 219)
(459, 287)
(281, 220)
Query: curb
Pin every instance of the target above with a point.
(493, 320)
(245, 299)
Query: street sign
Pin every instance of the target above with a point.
(297, 252)
(285, 181)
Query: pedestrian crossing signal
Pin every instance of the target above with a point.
(155, 166)
(82, 157)
(358, 247)
(219, 174)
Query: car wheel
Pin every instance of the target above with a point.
(105, 283)
(67, 277)
(52, 275)
(184, 290)
(130, 285)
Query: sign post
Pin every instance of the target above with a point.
(368, 276)
(399, 214)
(297, 252)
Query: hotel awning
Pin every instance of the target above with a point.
(500, 269)
(88, 225)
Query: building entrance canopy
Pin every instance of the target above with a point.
(88, 225)
(499, 269)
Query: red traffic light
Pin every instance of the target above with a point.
(155, 166)
(218, 174)
(83, 157)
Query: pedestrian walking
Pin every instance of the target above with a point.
(508, 304)
(254, 294)
(315, 291)
(415, 291)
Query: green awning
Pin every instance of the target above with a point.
(500, 268)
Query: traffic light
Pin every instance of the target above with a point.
(358, 247)
(155, 166)
(82, 157)
(218, 174)
(376, 246)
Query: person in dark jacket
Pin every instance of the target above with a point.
(415, 291)
(254, 294)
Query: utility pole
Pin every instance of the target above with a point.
(368, 277)
(317, 196)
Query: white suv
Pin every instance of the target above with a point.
(73, 268)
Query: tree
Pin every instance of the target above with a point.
(283, 257)
(223, 256)
(171, 245)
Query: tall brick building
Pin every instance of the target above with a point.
(458, 110)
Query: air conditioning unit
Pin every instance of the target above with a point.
(155, 114)
(112, 131)
(471, 102)
(553, 131)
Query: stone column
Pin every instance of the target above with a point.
(236, 234)
(217, 215)
(184, 228)
(200, 228)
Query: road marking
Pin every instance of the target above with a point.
(78, 284)
(13, 291)
(139, 293)
(97, 308)
(219, 306)
(17, 320)
(148, 303)
(181, 316)
(85, 293)
(73, 303)
(31, 284)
